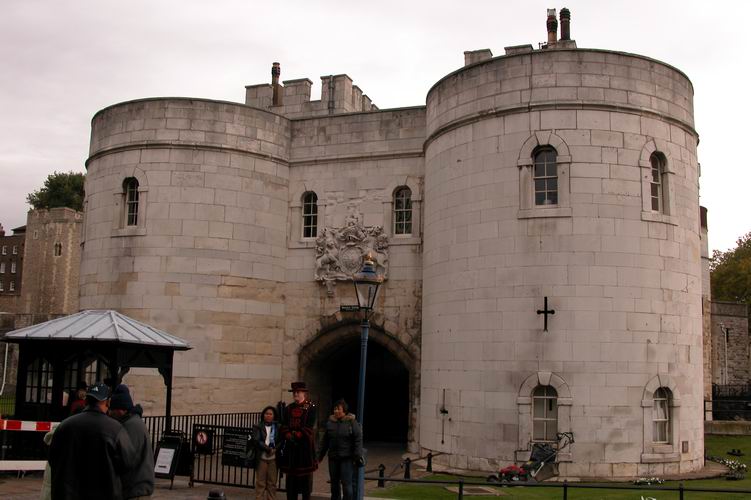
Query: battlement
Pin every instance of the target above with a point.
(292, 97)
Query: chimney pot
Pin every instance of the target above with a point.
(276, 71)
(565, 24)
(552, 25)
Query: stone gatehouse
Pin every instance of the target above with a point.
(561, 173)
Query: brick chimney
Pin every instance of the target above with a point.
(2, 230)
(552, 25)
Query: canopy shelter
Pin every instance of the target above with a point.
(86, 347)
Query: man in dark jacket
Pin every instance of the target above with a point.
(89, 452)
(342, 440)
(139, 481)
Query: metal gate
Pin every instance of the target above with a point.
(211, 463)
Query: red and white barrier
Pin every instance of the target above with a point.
(26, 425)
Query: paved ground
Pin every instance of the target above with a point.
(29, 486)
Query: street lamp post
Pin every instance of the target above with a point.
(367, 282)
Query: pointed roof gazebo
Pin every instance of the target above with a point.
(54, 356)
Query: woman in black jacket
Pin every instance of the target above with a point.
(343, 442)
(265, 435)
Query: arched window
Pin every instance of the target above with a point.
(657, 183)
(309, 215)
(661, 416)
(130, 191)
(58, 249)
(544, 414)
(39, 382)
(545, 176)
(403, 211)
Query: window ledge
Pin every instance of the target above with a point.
(651, 458)
(404, 239)
(658, 217)
(541, 212)
(129, 231)
(303, 243)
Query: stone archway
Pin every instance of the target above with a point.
(329, 363)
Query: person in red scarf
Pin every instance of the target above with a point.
(297, 454)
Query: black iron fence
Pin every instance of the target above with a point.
(184, 423)
(731, 402)
(477, 488)
(212, 465)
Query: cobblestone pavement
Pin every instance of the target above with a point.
(29, 486)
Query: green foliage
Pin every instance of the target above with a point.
(731, 272)
(60, 190)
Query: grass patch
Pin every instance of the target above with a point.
(714, 445)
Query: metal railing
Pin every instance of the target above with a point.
(564, 486)
(184, 423)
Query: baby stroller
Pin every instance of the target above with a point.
(541, 464)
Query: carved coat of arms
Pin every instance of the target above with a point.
(340, 250)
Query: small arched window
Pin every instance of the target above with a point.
(657, 182)
(545, 176)
(130, 190)
(39, 382)
(544, 414)
(403, 211)
(661, 416)
(309, 215)
(58, 249)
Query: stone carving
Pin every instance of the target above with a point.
(340, 250)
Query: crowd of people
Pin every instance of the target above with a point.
(290, 446)
(101, 451)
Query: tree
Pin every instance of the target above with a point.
(731, 272)
(59, 190)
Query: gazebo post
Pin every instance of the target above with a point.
(166, 371)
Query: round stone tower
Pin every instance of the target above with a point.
(566, 175)
(185, 229)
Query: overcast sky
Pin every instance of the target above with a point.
(62, 61)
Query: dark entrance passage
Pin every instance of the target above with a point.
(335, 375)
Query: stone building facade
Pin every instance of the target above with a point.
(562, 173)
(53, 251)
(11, 268)
(49, 247)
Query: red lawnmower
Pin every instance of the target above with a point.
(541, 464)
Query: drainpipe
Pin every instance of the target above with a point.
(5, 369)
(726, 332)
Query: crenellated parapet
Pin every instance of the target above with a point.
(338, 95)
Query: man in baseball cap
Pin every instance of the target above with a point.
(90, 452)
(139, 481)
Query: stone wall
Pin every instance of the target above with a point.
(730, 352)
(53, 254)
